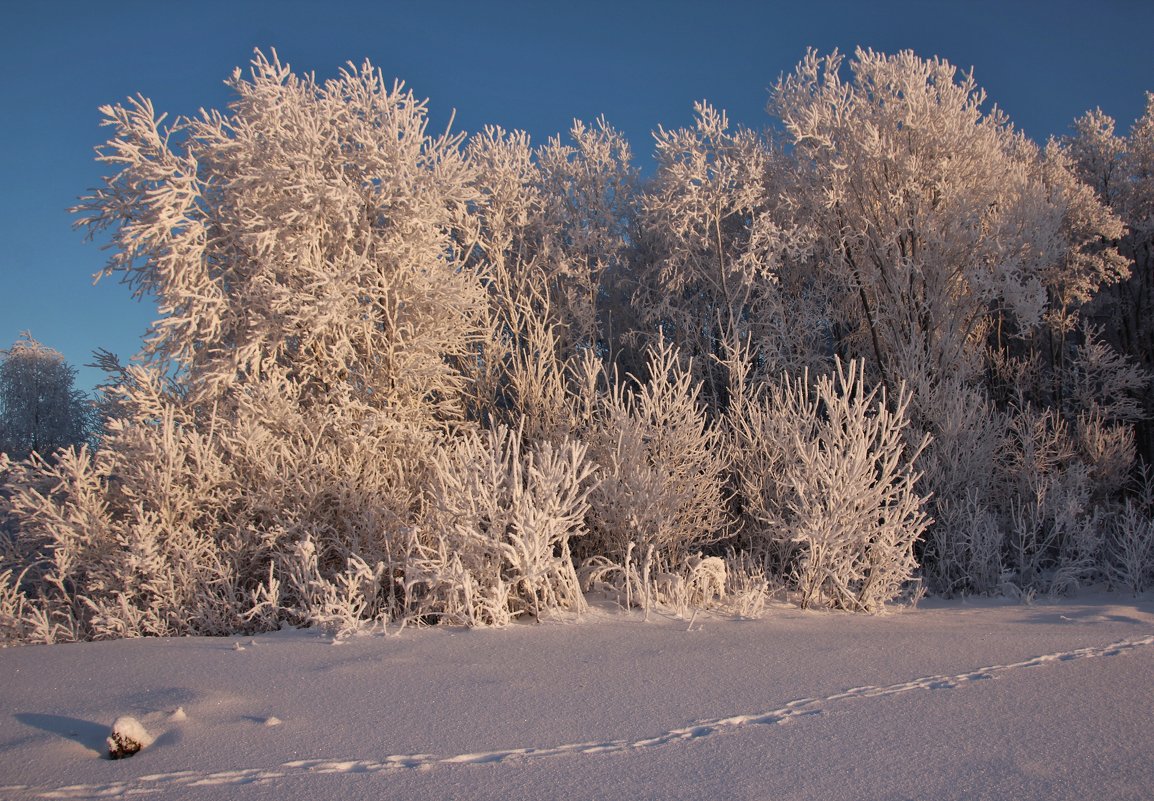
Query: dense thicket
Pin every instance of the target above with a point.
(402, 377)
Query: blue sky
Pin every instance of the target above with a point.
(529, 65)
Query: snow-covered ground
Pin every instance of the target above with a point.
(965, 700)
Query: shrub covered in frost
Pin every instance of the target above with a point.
(829, 485)
(499, 536)
(662, 463)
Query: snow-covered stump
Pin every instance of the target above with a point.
(126, 737)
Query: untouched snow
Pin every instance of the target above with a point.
(953, 700)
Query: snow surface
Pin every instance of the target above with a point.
(952, 700)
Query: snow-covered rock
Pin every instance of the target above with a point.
(126, 737)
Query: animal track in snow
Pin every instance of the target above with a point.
(796, 709)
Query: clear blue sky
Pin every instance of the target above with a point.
(530, 65)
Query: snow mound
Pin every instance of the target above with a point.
(126, 737)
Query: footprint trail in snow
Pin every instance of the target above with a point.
(800, 708)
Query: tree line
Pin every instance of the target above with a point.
(404, 377)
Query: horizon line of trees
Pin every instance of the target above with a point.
(403, 377)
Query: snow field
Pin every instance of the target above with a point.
(953, 700)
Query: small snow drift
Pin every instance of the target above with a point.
(126, 737)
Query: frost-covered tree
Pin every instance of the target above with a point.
(716, 241)
(552, 236)
(41, 410)
(942, 228)
(1120, 169)
(959, 258)
(309, 228)
(307, 250)
(662, 463)
(1099, 155)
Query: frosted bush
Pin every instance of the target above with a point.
(748, 587)
(110, 539)
(964, 548)
(661, 465)
(342, 603)
(1108, 451)
(733, 585)
(14, 610)
(506, 516)
(1104, 383)
(961, 474)
(698, 582)
(840, 496)
(1080, 559)
(1130, 549)
(1055, 535)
